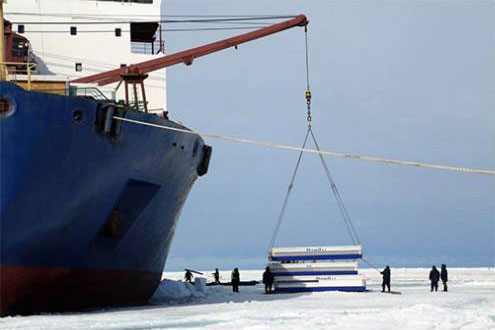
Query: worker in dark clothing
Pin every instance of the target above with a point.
(188, 277)
(268, 280)
(444, 277)
(386, 279)
(216, 276)
(235, 279)
(434, 278)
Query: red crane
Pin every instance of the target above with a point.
(136, 73)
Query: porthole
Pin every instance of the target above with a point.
(77, 116)
(4, 106)
(7, 106)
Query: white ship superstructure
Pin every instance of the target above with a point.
(77, 38)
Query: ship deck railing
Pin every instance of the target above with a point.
(92, 92)
(6, 72)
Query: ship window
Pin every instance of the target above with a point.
(20, 28)
(118, 32)
(145, 38)
(73, 30)
(20, 47)
(78, 67)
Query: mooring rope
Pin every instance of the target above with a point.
(371, 265)
(314, 151)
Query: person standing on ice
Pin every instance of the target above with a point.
(188, 276)
(444, 277)
(268, 280)
(235, 279)
(216, 276)
(434, 278)
(386, 279)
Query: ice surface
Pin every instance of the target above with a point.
(177, 291)
(470, 304)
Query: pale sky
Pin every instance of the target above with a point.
(407, 80)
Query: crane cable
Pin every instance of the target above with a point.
(293, 178)
(223, 20)
(286, 199)
(343, 211)
(308, 89)
(340, 203)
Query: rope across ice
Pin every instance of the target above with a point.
(314, 151)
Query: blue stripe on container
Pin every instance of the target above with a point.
(320, 289)
(318, 257)
(335, 272)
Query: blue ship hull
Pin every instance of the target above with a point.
(88, 206)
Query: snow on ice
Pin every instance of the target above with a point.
(177, 291)
(470, 304)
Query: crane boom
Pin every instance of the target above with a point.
(188, 56)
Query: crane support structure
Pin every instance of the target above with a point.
(188, 56)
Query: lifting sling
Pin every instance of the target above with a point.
(309, 132)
